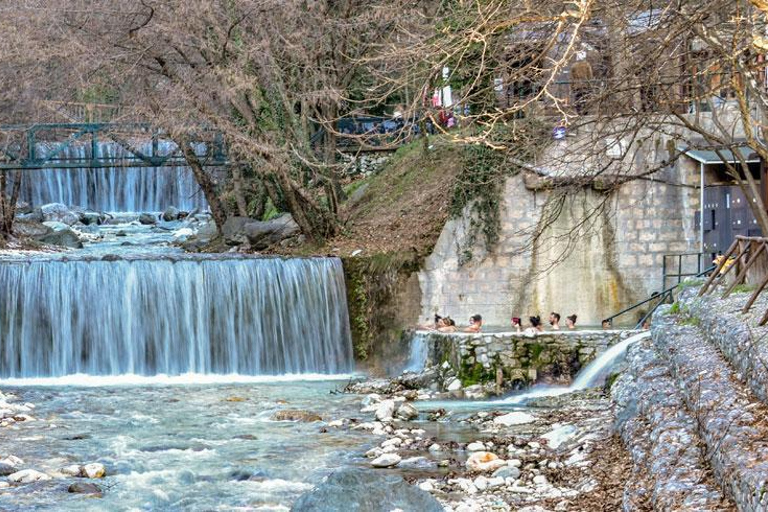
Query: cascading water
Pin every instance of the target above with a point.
(419, 353)
(247, 316)
(113, 189)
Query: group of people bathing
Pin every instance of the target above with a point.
(447, 324)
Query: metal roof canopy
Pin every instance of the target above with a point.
(708, 157)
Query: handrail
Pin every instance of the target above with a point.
(663, 295)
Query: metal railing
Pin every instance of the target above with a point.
(679, 269)
(665, 296)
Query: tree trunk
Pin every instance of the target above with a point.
(237, 184)
(207, 184)
(8, 203)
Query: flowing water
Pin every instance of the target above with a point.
(251, 316)
(182, 447)
(115, 189)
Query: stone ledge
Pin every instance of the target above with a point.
(517, 359)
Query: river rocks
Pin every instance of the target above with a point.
(72, 470)
(65, 237)
(484, 462)
(59, 213)
(264, 234)
(7, 469)
(296, 415)
(514, 418)
(91, 218)
(26, 476)
(507, 472)
(94, 470)
(170, 214)
(385, 410)
(386, 460)
(365, 491)
(453, 384)
(84, 488)
(407, 412)
(147, 219)
(29, 228)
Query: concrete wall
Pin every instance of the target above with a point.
(602, 252)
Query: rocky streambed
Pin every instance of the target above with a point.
(557, 453)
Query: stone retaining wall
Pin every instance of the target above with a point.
(553, 357)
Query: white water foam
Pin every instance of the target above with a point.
(83, 380)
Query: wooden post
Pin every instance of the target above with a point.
(743, 273)
(720, 265)
(753, 298)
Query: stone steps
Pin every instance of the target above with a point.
(730, 419)
(669, 468)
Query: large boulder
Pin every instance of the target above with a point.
(59, 213)
(260, 234)
(63, 237)
(170, 214)
(91, 218)
(147, 219)
(26, 476)
(29, 228)
(365, 491)
(263, 234)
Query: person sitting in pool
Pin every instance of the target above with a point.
(535, 327)
(432, 326)
(517, 324)
(570, 322)
(607, 324)
(475, 324)
(554, 321)
(448, 325)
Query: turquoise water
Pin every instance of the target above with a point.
(182, 447)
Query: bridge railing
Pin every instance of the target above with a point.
(24, 151)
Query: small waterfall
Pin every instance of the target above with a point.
(244, 316)
(419, 353)
(589, 376)
(114, 189)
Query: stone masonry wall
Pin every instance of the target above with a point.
(551, 357)
(613, 262)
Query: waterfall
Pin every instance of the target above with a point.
(250, 316)
(112, 189)
(418, 353)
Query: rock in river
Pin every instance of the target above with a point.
(407, 412)
(84, 488)
(365, 491)
(26, 476)
(65, 237)
(484, 461)
(296, 415)
(386, 460)
(7, 469)
(94, 470)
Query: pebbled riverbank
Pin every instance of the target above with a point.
(557, 454)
